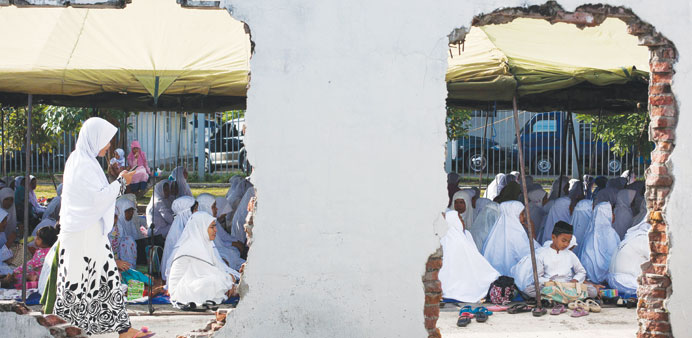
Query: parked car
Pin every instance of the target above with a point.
(226, 148)
(472, 158)
(541, 139)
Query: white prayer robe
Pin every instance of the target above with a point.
(181, 207)
(600, 244)
(508, 241)
(562, 266)
(625, 267)
(558, 212)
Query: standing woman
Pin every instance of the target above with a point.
(88, 292)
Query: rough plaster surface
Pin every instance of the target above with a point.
(346, 132)
(14, 325)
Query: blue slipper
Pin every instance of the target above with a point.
(466, 308)
(482, 309)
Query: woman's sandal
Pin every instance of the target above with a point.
(482, 314)
(539, 311)
(519, 308)
(593, 306)
(558, 310)
(577, 304)
(579, 312)
(143, 333)
(464, 319)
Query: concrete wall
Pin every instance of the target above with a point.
(14, 325)
(348, 200)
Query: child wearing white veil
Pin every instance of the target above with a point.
(197, 273)
(633, 251)
(159, 209)
(183, 207)
(179, 175)
(461, 258)
(206, 202)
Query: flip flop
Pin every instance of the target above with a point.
(593, 306)
(577, 304)
(579, 312)
(482, 317)
(518, 308)
(210, 305)
(191, 306)
(539, 311)
(558, 310)
(482, 309)
(464, 319)
(466, 308)
(144, 333)
(498, 308)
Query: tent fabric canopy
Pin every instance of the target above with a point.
(532, 56)
(78, 52)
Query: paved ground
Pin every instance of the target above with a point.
(610, 323)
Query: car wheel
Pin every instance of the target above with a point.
(476, 161)
(243, 163)
(614, 166)
(208, 167)
(544, 164)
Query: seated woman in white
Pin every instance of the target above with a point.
(197, 273)
(465, 274)
(600, 244)
(183, 207)
(483, 223)
(625, 266)
(508, 242)
(224, 240)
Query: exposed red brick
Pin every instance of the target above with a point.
(657, 258)
(662, 134)
(661, 67)
(430, 323)
(658, 226)
(433, 264)
(666, 110)
(651, 279)
(663, 121)
(652, 335)
(651, 315)
(665, 146)
(659, 181)
(660, 268)
(433, 298)
(658, 169)
(657, 236)
(650, 303)
(435, 333)
(662, 78)
(72, 331)
(431, 276)
(432, 310)
(54, 320)
(659, 156)
(656, 326)
(659, 247)
(657, 216)
(661, 88)
(41, 320)
(433, 286)
(661, 100)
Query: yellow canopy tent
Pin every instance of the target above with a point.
(550, 66)
(111, 57)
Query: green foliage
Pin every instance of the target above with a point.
(232, 115)
(626, 132)
(457, 122)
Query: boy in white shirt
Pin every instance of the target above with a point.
(558, 263)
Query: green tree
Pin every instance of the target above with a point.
(457, 122)
(626, 132)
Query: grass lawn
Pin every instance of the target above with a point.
(48, 191)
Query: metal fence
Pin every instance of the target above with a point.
(549, 148)
(174, 134)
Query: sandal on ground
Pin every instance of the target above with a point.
(558, 310)
(539, 311)
(576, 304)
(631, 303)
(143, 333)
(498, 308)
(210, 305)
(621, 302)
(482, 309)
(579, 312)
(593, 306)
(191, 306)
(518, 308)
(464, 319)
(482, 317)
(466, 308)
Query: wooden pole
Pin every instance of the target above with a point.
(27, 182)
(526, 203)
(483, 146)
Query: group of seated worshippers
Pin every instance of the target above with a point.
(137, 160)
(597, 237)
(43, 230)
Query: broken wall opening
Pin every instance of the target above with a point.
(654, 282)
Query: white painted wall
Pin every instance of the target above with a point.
(355, 92)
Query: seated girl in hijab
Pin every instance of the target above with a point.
(138, 158)
(34, 215)
(197, 273)
(53, 208)
(159, 209)
(623, 212)
(224, 241)
(45, 239)
(633, 251)
(5, 253)
(581, 221)
(496, 186)
(559, 264)
(117, 163)
(600, 244)
(561, 210)
(183, 207)
(461, 258)
(483, 222)
(507, 242)
(179, 175)
(122, 235)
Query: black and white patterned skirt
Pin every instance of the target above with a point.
(88, 291)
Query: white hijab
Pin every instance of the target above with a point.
(181, 208)
(600, 244)
(194, 241)
(558, 212)
(121, 160)
(495, 186)
(11, 211)
(465, 195)
(53, 208)
(178, 175)
(581, 221)
(483, 223)
(507, 242)
(536, 207)
(205, 201)
(558, 189)
(125, 227)
(623, 212)
(88, 199)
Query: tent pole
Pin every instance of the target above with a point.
(153, 200)
(526, 203)
(27, 182)
(575, 146)
(483, 146)
(563, 155)
(4, 140)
